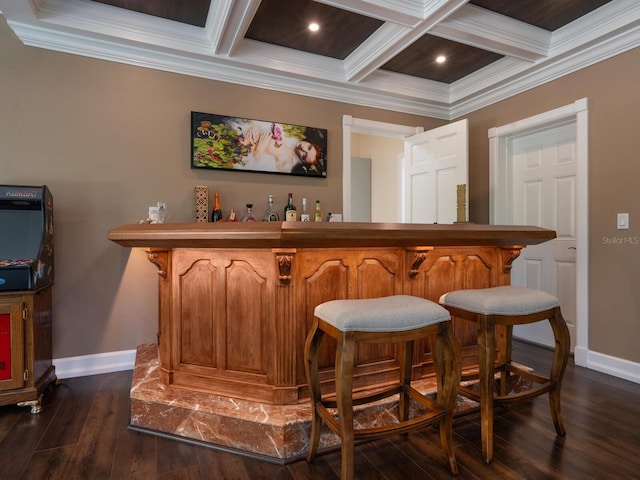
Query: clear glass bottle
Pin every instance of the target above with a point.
(270, 214)
(317, 213)
(304, 215)
(290, 213)
(216, 214)
(249, 217)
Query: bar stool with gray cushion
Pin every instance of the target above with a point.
(395, 319)
(509, 306)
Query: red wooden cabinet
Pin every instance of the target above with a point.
(26, 367)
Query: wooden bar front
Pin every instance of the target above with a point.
(236, 299)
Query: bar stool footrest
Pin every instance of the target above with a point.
(531, 393)
(434, 414)
(368, 398)
(542, 385)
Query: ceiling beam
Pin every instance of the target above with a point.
(228, 21)
(490, 31)
(390, 39)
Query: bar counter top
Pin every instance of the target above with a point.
(323, 235)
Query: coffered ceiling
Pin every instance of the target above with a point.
(368, 52)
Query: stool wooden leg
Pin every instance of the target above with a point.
(560, 360)
(506, 350)
(486, 354)
(311, 365)
(345, 355)
(405, 354)
(447, 364)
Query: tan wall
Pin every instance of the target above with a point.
(384, 154)
(111, 139)
(614, 167)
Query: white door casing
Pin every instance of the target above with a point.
(503, 208)
(435, 163)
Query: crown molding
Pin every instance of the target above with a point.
(547, 72)
(220, 52)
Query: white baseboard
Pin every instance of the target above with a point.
(84, 365)
(124, 360)
(617, 367)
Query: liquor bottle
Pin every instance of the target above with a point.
(216, 215)
(249, 217)
(270, 214)
(233, 217)
(290, 214)
(304, 215)
(317, 214)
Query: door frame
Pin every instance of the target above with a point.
(500, 189)
(367, 127)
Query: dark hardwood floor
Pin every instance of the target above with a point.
(82, 434)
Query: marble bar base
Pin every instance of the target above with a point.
(277, 433)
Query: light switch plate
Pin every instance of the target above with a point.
(623, 221)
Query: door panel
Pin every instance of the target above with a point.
(544, 165)
(217, 300)
(420, 187)
(344, 274)
(435, 163)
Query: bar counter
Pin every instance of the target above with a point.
(236, 301)
(320, 235)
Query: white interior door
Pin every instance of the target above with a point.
(435, 163)
(544, 195)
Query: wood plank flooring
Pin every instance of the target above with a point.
(82, 434)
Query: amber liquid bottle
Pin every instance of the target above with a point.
(233, 216)
(216, 215)
(317, 213)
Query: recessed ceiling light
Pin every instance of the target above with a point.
(441, 59)
(314, 27)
